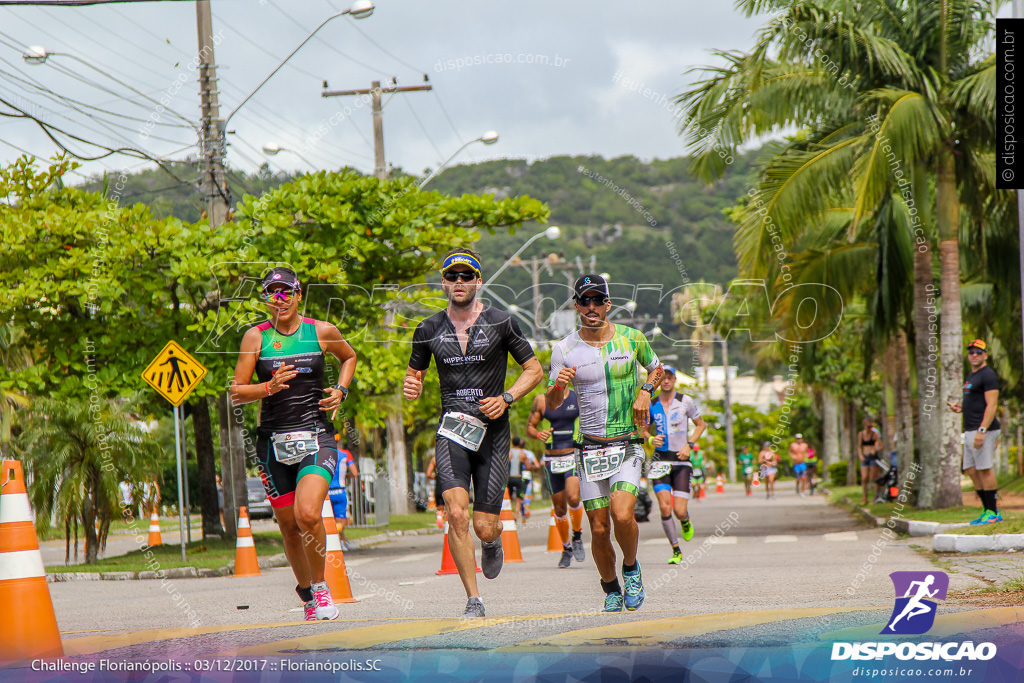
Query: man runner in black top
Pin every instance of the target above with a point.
(981, 428)
(295, 447)
(470, 344)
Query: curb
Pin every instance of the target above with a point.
(958, 543)
(911, 527)
(272, 562)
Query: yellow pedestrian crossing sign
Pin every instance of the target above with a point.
(174, 373)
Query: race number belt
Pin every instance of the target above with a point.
(748, 469)
(562, 464)
(292, 447)
(697, 473)
(658, 468)
(463, 429)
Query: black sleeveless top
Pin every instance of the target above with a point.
(563, 422)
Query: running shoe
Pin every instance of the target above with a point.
(325, 609)
(677, 557)
(309, 610)
(612, 602)
(492, 557)
(474, 608)
(577, 550)
(635, 595)
(992, 518)
(687, 529)
(985, 518)
(566, 559)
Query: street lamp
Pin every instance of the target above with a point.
(273, 149)
(488, 138)
(552, 233)
(360, 9)
(37, 55)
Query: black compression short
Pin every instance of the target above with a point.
(486, 467)
(678, 479)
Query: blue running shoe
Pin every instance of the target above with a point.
(985, 518)
(612, 602)
(634, 593)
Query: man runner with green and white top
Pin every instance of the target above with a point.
(601, 360)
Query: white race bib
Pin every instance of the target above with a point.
(463, 429)
(562, 464)
(292, 447)
(602, 463)
(658, 468)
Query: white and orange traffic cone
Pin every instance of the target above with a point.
(154, 530)
(246, 562)
(509, 533)
(335, 573)
(25, 602)
(757, 479)
(702, 494)
(431, 503)
(555, 543)
(719, 484)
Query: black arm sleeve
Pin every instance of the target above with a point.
(419, 359)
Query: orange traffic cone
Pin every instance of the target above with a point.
(702, 494)
(431, 503)
(554, 535)
(719, 485)
(757, 479)
(509, 534)
(246, 562)
(154, 529)
(447, 561)
(335, 573)
(24, 596)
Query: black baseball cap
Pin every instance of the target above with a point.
(589, 283)
(281, 275)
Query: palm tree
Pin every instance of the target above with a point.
(79, 451)
(889, 96)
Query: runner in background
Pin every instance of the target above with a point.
(768, 460)
(746, 462)
(338, 490)
(560, 469)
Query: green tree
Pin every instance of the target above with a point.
(79, 452)
(884, 91)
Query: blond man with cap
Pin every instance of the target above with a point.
(981, 428)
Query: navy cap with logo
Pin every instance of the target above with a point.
(590, 283)
(281, 275)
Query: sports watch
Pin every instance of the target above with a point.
(649, 388)
(344, 391)
(982, 430)
(507, 398)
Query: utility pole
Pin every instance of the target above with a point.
(215, 193)
(730, 447)
(394, 425)
(377, 107)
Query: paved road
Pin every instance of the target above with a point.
(776, 572)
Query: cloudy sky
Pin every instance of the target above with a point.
(550, 78)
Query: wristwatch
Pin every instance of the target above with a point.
(649, 388)
(344, 391)
(507, 398)
(982, 430)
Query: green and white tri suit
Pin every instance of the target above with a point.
(606, 382)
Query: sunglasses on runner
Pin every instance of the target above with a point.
(974, 352)
(280, 296)
(596, 299)
(456, 275)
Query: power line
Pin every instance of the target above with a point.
(423, 128)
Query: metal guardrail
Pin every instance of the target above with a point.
(369, 498)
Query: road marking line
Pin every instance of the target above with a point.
(415, 557)
(654, 632)
(842, 536)
(945, 626)
(780, 539)
(722, 540)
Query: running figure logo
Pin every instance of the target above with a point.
(914, 612)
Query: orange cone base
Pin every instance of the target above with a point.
(554, 536)
(510, 546)
(26, 602)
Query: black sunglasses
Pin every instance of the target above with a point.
(456, 275)
(974, 352)
(596, 299)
